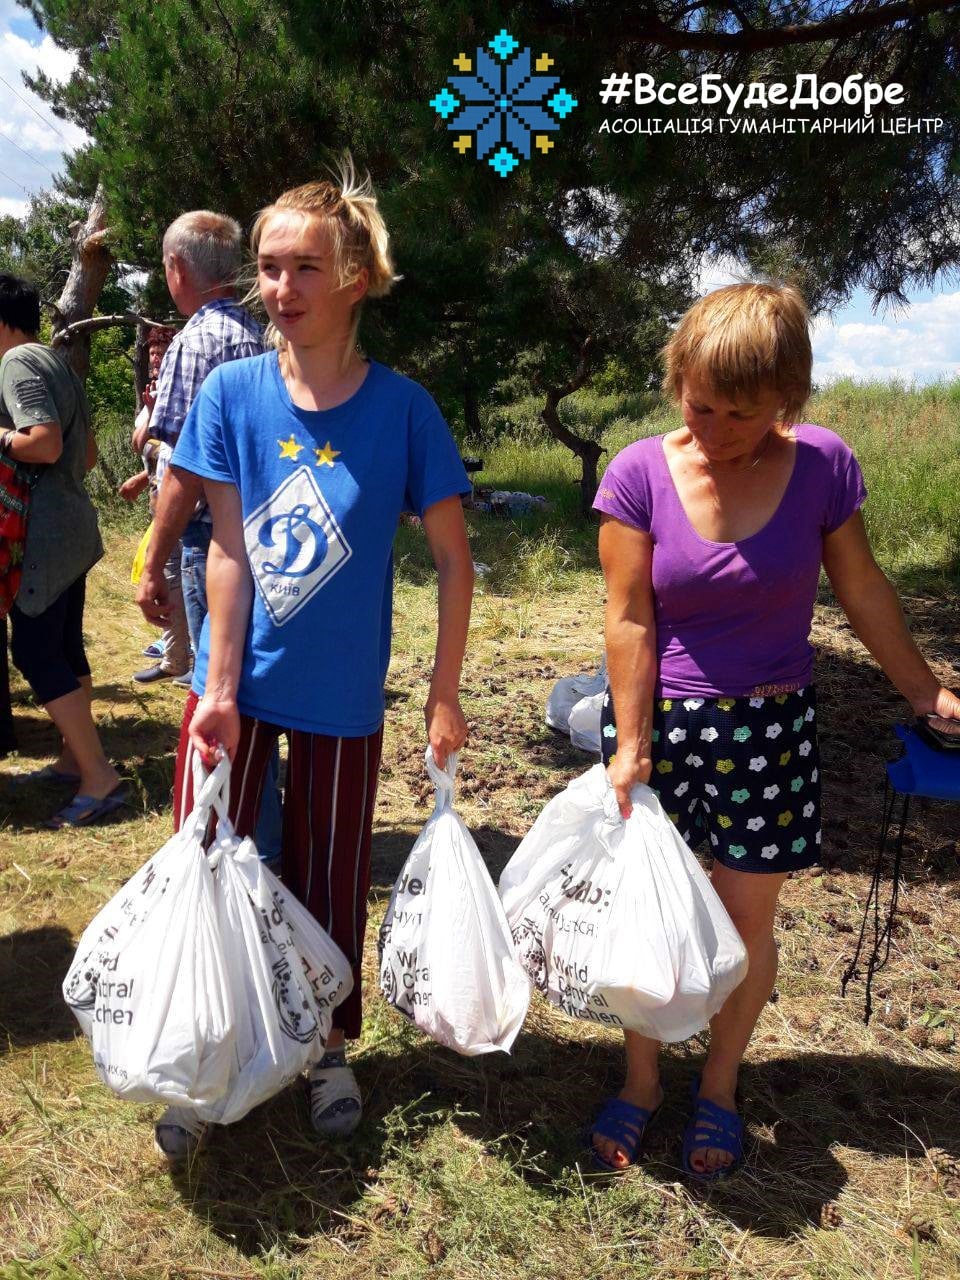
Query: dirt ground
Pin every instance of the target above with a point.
(474, 1168)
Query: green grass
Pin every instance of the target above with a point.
(907, 442)
(472, 1169)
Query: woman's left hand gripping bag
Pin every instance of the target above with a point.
(148, 983)
(446, 956)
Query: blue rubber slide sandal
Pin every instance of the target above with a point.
(83, 811)
(712, 1126)
(623, 1123)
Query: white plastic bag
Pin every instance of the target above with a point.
(584, 722)
(566, 693)
(446, 955)
(148, 983)
(203, 982)
(288, 975)
(615, 921)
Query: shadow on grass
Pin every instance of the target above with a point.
(856, 713)
(936, 580)
(32, 965)
(548, 542)
(812, 1103)
(26, 807)
(392, 846)
(111, 691)
(269, 1177)
(554, 750)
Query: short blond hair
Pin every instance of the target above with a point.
(209, 243)
(358, 234)
(743, 340)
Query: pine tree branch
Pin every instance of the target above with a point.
(647, 29)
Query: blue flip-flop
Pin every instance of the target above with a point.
(623, 1123)
(712, 1126)
(83, 811)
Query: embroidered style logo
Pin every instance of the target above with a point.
(504, 104)
(294, 545)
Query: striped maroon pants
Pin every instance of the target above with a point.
(328, 801)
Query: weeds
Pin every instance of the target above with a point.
(474, 1169)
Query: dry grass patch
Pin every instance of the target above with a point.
(474, 1169)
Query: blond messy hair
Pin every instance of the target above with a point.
(359, 239)
(743, 340)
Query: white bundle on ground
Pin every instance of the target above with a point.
(567, 694)
(615, 921)
(584, 722)
(446, 955)
(203, 982)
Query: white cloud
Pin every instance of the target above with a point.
(717, 272)
(46, 138)
(44, 56)
(921, 344)
(10, 207)
(37, 136)
(9, 10)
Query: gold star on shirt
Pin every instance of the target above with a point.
(290, 448)
(326, 455)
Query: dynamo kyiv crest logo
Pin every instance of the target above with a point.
(294, 545)
(501, 106)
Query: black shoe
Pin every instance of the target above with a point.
(151, 674)
(8, 744)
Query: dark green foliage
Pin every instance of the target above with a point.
(110, 381)
(581, 258)
(227, 102)
(38, 245)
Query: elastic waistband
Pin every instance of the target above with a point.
(760, 691)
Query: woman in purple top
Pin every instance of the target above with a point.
(711, 542)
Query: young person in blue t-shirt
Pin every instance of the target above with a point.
(309, 454)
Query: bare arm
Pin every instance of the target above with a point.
(446, 533)
(133, 486)
(93, 453)
(626, 556)
(176, 502)
(42, 442)
(216, 721)
(870, 602)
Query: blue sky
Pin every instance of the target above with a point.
(920, 344)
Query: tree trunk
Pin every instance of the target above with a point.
(588, 451)
(92, 261)
(141, 364)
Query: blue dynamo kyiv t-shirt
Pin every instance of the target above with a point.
(322, 492)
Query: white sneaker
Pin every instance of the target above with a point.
(178, 1134)
(335, 1107)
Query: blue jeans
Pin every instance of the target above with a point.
(193, 578)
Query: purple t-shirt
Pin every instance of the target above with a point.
(733, 618)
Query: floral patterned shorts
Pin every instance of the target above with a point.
(741, 772)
